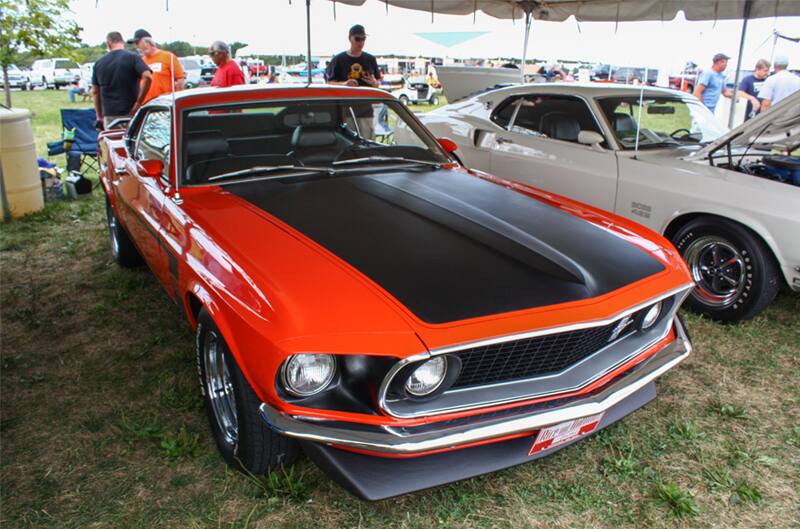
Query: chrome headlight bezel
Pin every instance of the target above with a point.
(651, 315)
(442, 361)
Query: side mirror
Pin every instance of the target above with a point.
(151, 168)
(448, 145)
(590, 137)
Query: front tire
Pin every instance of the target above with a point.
(243, 439)
(735, 274)
(123, 251)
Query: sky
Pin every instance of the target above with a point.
(279, 26)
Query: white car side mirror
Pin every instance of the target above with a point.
(590, 137)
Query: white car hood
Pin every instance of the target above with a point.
(459, 82)
(778, 128)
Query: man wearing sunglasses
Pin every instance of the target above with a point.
(228, 72)
(355, 67)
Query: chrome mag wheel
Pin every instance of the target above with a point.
(113, 231)
(219, 387)
(718, 269)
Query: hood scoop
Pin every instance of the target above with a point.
(450, 246)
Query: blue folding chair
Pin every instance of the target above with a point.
(84, 144)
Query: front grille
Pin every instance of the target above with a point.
(529, 357)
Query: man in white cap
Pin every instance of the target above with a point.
(779, 85)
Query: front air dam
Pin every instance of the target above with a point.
(377, 478)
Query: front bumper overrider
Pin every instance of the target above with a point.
(413, 441)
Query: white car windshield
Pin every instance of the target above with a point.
(276, 137)
(664, 121)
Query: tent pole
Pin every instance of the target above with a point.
(747, 6)
(528, 21)
(308, 39)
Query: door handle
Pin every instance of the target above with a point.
(502, 140)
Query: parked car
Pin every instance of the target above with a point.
(16, 78)
(207, 72)
(416, 92)
(55, 72)
(623, 74)
(378, 305)
(728, 205)
(193, 72)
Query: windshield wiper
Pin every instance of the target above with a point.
(379, 159)
(265, 169)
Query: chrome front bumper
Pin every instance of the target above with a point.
(411, 441)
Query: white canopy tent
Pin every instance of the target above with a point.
(599, 11)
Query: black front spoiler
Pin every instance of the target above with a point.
(376, 478)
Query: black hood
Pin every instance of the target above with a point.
(450, 246)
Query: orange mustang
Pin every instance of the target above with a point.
(361, 295)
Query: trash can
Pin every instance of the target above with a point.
(20, 188)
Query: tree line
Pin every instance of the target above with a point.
(90, 53)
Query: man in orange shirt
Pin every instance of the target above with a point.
(165, 65)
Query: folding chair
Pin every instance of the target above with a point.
(84, 144)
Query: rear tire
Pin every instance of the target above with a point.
(123, 251)
(735, 274)
(243, 439)
(403, 99)
(434, 100)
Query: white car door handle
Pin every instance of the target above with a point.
(502, 140)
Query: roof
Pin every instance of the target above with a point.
(201, 96)
(603, 10)
(588, 90)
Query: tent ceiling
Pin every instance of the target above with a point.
(601, 10)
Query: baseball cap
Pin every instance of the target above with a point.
(139, 35)
(720, 57)
(358, 29)
(781, 60)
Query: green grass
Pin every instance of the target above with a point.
(101, 423)
(46, 107)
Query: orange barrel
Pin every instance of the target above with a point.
(21, 183)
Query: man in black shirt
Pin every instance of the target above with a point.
(355, 67)
(116, 81)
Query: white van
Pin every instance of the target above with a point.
(55, 72)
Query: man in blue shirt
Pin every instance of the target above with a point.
(752, 84)
(712, 83)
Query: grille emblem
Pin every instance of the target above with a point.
(623, 324)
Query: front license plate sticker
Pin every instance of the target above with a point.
(563, 433)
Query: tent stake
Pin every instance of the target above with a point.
(746, 15)
(528, 23)
(308, 39)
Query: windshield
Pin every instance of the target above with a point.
(343, 135)
(664, 121)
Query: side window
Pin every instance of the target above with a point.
(505, 111)
(556, 117)
(154, 136)
(153, 140)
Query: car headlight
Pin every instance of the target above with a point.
(308, 374)
(425, 379)
(651, 316)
